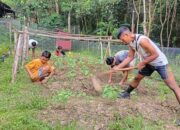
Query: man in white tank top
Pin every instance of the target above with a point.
(152, 60)
(32, 45)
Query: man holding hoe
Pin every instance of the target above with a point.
(153, 60)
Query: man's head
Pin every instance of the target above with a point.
(46, 55)
(110, 61)
(34, 44)
(125, 35)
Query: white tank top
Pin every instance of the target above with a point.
(31, 41)
(159, 61)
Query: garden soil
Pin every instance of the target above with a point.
(96, 113)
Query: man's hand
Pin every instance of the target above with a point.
(140, 65)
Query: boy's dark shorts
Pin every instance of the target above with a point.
(149, 69)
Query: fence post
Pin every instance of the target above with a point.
(25, 44)
(15, 41)
(16, 58)
(109, 45)
(101, 51)
(10, 36)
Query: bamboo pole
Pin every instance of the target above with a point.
(15, 41)
(25, 45)
(68, 34)
(71, 38)
(108, 49)
(101, 51)
(10, 36)
(109, 45)
(27, 51)
(16, 59)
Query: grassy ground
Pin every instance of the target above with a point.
(20, 102)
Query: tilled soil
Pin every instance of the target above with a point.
(98, 112)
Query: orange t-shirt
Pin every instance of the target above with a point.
(35, 65)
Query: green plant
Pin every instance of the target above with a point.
(110, 92)
(63, 95)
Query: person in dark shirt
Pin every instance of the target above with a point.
(59, 51)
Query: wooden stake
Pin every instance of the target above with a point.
(25, 45)
(16, 59)
(101, 52)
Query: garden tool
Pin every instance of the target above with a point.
(97, 83)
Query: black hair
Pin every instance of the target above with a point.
(33, 44)
(59, 47)
(109, 60)
(121, 30)
(46, 54)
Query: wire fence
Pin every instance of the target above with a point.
(46, 43)
(173, 54)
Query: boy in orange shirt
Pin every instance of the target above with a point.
(40, 69)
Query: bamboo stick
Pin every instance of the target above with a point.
(16, 59)
(25, 45)
(72, 38)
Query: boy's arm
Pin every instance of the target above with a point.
(50, 75)
(29, 72)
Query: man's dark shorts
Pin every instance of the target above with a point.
(149, 69)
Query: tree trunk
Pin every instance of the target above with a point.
(132, 24)
(69, 22)
(137, 14)
(172, 21)
(144, 18)
(150, 18)
(162, 22)
(57, 6)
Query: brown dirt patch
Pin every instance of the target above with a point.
(97, 113)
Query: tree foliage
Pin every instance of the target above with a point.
(101, 16)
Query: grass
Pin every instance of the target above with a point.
(133, 123)
(20, 102)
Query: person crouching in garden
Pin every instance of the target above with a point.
(40, 70)
(59, 51)
(116, 60)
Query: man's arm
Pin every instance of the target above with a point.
(127, 60)
(145, 44)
